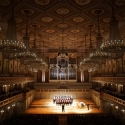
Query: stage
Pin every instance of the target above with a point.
(46, 106)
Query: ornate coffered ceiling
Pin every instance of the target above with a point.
(57, 19)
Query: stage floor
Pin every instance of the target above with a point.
(46, 106)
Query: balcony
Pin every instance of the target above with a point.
(16, 79)
(109, 79)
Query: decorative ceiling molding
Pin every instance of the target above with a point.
(62, 11)
(83, 2)
(47, 19)
(78, 19)
(42, 2)
(4, 2)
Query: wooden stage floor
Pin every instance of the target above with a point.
(46, 106)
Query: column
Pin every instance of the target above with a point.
(35, 76)
(43, 76)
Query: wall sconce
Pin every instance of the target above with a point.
(2, 111)
(13, 105)
(112, 104)
(122, 110)
(8, 107)
(116, 107)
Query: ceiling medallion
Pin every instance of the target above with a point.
(62, 11)
(47, 19)
(95, 11)
(18, 20)
(35, 25)
(106, 20)
(75, 30)
(120, 2)
(83, 2)
(4, 2)
(50, 31)
(63, 25)
(62, 34)
(30, 11)
(88, 26)
(42, 2)
(78, 19)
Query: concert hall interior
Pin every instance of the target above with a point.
(62, 62)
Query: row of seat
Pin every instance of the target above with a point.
(94, 119)
(32, 120)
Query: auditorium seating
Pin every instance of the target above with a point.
(92, 119)
(32, 120)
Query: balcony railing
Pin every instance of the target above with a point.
(16, 98)
(16, 79)
(109, 79)
(108, 97)
(62, 90)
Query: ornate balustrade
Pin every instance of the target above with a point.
(62, 90)
(108, 97)
(11, 99)
(16, 79)
(30, 93)
(16, 98)
(109, 79)
(113, 99)
(96, 93)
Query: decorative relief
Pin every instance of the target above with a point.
(83, 2)
(30, 11)
(100, 11)
(47, 19)
(88, 25)
(75, 30)
(106, 20)
(24, 31)
(62, 34)
(18, 20)
(35, 25)
(63, 25)
(62, 11)
(120, 2)
(78, 19)
(101, 31)
(52, 38)
(42, 2)
(4, 2)
(50, 31)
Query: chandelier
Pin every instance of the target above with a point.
(88, 62)
(99, 56)
(84, 66)
(10, 46)
(114, 45)
(26, 57)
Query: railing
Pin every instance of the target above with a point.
(16, 98)
(96, 93)
(11, 99)
(16, 79)
(112, 98)
(29, 93)
(108, 97)
(109, 79)
(62, 90)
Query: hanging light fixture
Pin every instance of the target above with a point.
(99, 56)
(84, 66)
(114, 45)
(88, 61)
(10, 46)
(35, 63)
(26, 57)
